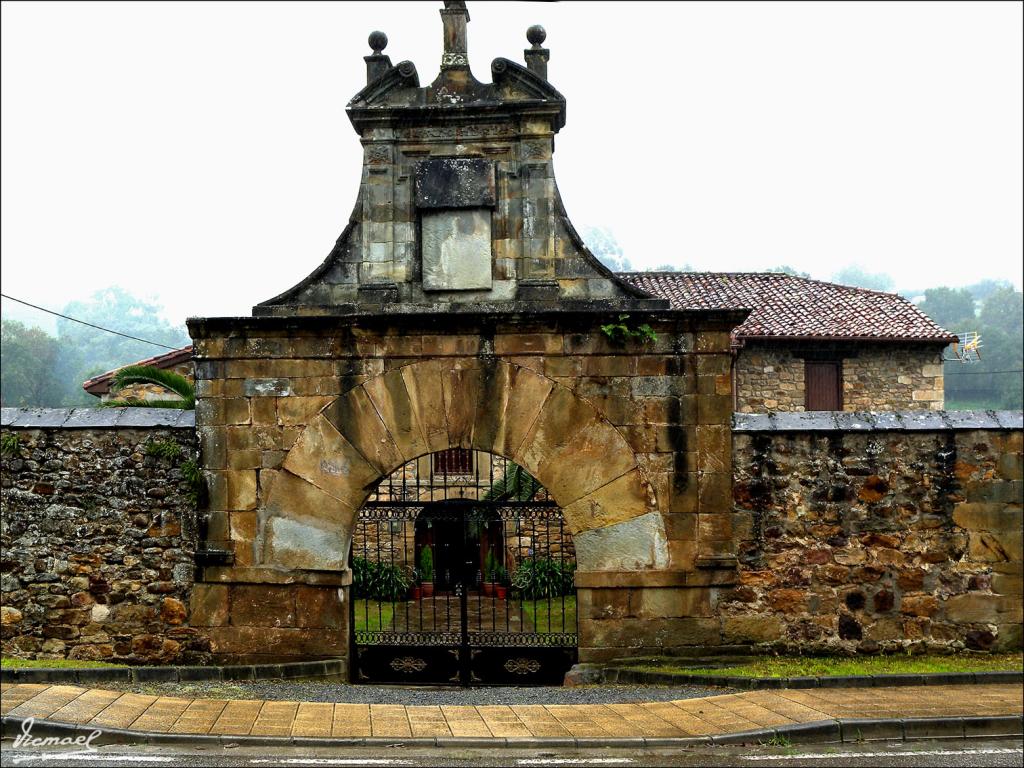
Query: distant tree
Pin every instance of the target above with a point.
(952, 308)
(1003, 309)
(787, 270)
(985, 288)
(857, 276)
(28, 367)
(85, 350)
(674, 268)
(996, 380)
(602, 243)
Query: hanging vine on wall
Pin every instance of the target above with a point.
(621, 332)
(171, 451)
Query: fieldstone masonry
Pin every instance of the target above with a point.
(864, 532)
(854, 532)
(98, 536)
(875, 376)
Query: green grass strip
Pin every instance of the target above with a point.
(10, 662)
(829, 666)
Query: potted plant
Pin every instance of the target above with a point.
(426, 571)
(501, 587)
(490, 572)
(416, 589)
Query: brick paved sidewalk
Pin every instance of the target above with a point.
(713, 715)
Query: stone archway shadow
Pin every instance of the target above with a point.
(310, 505)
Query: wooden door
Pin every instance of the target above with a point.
(823, 385)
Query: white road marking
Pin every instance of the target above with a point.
(331, 761)
(907, 753)
(574, 761)
(89, 757)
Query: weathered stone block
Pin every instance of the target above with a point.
(209, 605)
(356, 418)
(627, 497)
(323, 457)
(320, 607)
(423, 383)
(299, 411)
(231, 489)
(636, 544)
(753, 629)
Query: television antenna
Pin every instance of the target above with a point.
(966, 348)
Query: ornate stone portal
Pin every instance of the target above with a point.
(459, 308)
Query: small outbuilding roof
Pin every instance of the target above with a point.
(790, 307)
(100, 385)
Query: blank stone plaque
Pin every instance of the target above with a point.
(456, 249)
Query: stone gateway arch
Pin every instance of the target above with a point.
(488, 405)
(459, 309)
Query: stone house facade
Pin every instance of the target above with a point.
(809, 345)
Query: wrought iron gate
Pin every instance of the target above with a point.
(456, 581)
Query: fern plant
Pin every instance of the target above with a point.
(620, 332)
(148, 374)
(9, 444)
(164, 449)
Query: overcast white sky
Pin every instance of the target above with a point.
(201, 152)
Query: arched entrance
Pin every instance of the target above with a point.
(463, 574)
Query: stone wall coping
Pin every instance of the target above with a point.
(96, 418)
(876, 421)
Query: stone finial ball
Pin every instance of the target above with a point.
(536, 35)
(378, 41)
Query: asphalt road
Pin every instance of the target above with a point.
(950, 754)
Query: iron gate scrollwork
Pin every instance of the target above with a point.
(459, 580)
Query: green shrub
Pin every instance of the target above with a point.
(544, 577)
(378, 581)
(426, 570)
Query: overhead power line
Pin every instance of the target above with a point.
(97, 327)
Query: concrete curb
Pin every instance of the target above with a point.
(637, 677)
(841, 731)
(325, 668)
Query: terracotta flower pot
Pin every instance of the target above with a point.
(501, 592)
(488, 588)
(417, 592)
(428, 588)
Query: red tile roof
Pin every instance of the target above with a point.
(789, 307)
(100, 385)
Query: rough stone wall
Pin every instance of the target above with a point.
(770, 377)
(860, 541)
(893, 378)
(98, 545)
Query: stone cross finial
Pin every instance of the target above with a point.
(454, 16)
